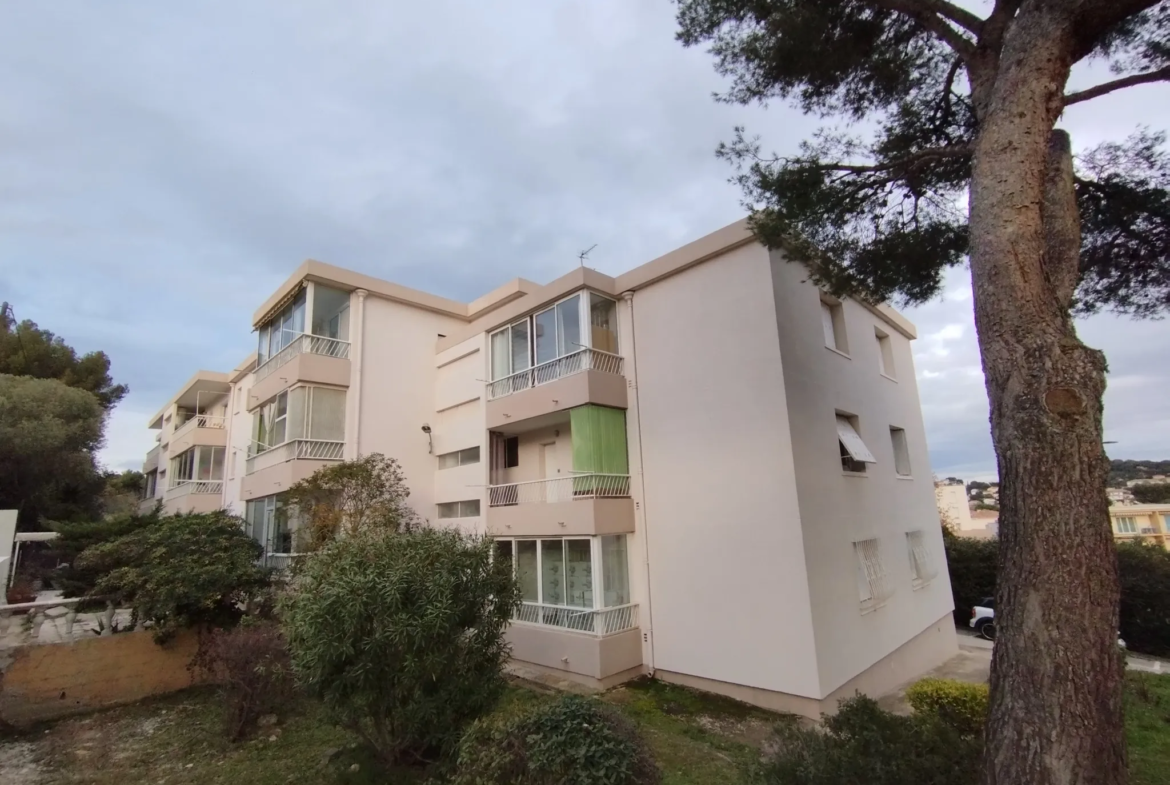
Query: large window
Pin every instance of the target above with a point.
(282, 329)
(330, 312)
(562, 329)
(463, 509)
(269, 523)
(300, 413)
(1126, 525)
(561, 571)
(201, 464)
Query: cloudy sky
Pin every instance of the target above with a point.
(164, 166)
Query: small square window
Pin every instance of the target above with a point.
(1126, 525)
(854, 453)
(901, 451)
(885, 354)
(511, 452)
(462, 509)
(833, 324)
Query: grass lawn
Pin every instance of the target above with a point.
(697, 739)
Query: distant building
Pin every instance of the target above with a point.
(953, 506)
(1149, 522)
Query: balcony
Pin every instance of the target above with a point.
(193, 496)
(151, 463)
(308, 358)
(585, 376)
(602, 645)
(275, 469)
(208, 430)
(581, 504)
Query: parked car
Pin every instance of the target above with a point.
(983, 620)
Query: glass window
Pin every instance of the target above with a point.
(511, 452)
(279, 420)
(501, 363)
(208, 463)
(504, 552)
(885, 354)
(462, 509)
(546, 336)
(569, 326)
(521, 354)
(327, 414)
(901, 452)
(578, 574)
(615, 573)
(526, 572)
(552, 572)
(603, 323)
(330, 312)
(459, 458)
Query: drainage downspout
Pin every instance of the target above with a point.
(640, 517)
(358, 346)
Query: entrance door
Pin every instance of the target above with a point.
(549, 471)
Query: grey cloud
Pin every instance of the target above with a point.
(163, 167)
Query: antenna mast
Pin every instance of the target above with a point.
(581, 256)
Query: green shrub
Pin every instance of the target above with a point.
(570, 741)
(1145, 597)
(182, 571)
(862, 743)
(960, 704)
(972, 565)
(75, 537)
(401, 636)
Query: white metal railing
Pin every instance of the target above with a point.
(280, 561)
(585, 485)
(581, 360)
(304, 343)
(184, 487)
(308, 449)
(201, 421)
(597, 621)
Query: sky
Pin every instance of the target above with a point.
(165, 166)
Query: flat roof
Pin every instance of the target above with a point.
(188, 395)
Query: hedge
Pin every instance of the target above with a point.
(1145, 588)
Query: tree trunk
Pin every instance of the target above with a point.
(1056, 675)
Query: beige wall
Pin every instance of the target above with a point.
(952, 501)
(838, 509)
(399, 379)
(604, 389)
(239, 436)
(726, 573)
(575, 652)
(304, 368)
(574, 517)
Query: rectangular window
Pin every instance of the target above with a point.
(546, 336)
(511, 452)
(854, 453)
(885, 354)
(282, 329)
(527, 574)
(603, 323)
(330, 312)
(463, 509)
(615, 572)
(922, 564)
(279, 414)
(569, 326)
(560, 572)
(501, 362)
(901, 451)
(872, 585)
(521, 353)
(833, 324)
(1126, 525)
(459, 458)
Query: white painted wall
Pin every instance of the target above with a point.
(727, 571)
(398, 378)
(458, 423)
(837, 509)
(952, 499)
(238, 438)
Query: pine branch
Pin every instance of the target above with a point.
(935, 16)
(907, 162)
(1160, 75)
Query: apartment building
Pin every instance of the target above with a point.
(703, 468)
(1148, 522)
(184, 470)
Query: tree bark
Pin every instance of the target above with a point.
(1055, 715)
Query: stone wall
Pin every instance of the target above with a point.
(46, 681)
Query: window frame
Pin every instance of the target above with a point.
(833, 324)
(886, 365)
(875, 590)
(584, 326)
(597, 568)
(923, 568)
(511, 452)
(902, 456)
(1127, 520)
(460, 512)
(853, 452)
(460, 458)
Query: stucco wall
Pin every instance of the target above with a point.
(727, 574)
(41, 682)
(238, 438)
(837, 509)
(398, 378)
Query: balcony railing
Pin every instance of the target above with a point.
(583, 360)
(280, 561)
(587, 485)
(304, 344)
(307, 449)
(185, 487)
(596, 621)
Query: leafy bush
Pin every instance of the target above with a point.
(402, 636)
(74, 537)
(251, 663)
(959, 704)
(1145, 597)
(571, 741)
(972, 565)
(369, 493)
(184, 571)
(862, 743)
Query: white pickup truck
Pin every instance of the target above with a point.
(983, 620)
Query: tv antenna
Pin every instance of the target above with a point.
(581, 256)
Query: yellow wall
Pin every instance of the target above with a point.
(1145, 517)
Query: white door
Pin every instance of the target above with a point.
(549, 471)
